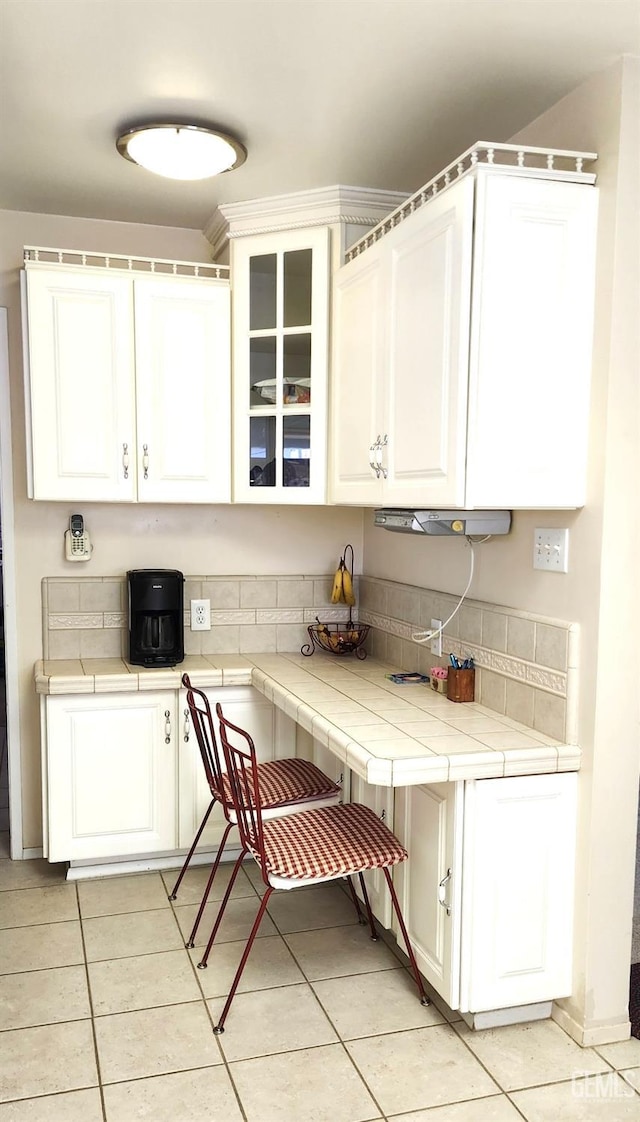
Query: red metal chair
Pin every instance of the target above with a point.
(285, 785)
(306, 848)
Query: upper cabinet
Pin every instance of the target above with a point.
(283, 252)
(462, 333)
(280, 345)
(128, 383)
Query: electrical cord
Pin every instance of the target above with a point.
(426, 636)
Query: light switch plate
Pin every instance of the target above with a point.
(551, 550)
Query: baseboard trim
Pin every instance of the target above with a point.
(32, 854)
(513, 1015)
(115, 868)
(590, 1037)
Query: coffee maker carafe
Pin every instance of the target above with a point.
(156, 612)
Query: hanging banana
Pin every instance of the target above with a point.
(342, 591)
(347, 587)
(337, 592)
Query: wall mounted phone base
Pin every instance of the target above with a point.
(77, 544)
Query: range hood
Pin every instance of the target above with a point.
(442, 523)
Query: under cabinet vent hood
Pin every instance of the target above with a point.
(444, 522)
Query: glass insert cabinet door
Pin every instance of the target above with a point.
(280, 287)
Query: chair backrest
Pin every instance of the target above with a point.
(242, 772)
(202, 722)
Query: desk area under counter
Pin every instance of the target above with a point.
(485, 806)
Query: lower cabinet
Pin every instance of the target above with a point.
(248, 709)
(122, 773)
(109, 775)
(487, 892)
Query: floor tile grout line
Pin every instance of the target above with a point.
(198, 979)
(346, 1051)
(91, 1010)
(528, 1086)
(199, 1001)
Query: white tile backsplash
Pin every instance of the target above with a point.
(526, 664)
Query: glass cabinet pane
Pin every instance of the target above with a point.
(296, 369)
(262, 471)
(262, 291)
(262, 370)
(297, 288)
(296, 449)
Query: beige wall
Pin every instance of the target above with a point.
(600, 592)
(197, 539)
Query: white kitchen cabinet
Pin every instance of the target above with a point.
(273, 734)
(122, 773)
(284, 250)
(399, 383)
(380, 800)
(487, 891)
(128, 385)
(109, 775)
(462, 350)
(280, 366)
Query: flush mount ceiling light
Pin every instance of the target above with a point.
(181, 151)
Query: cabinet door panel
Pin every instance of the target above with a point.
(81, 371)
(249, 710)
(357, 408)
(518, 896)
(429, 823)
(280, 366)
(531, 343)
(111, 776)
(183, 390)
(429, 262)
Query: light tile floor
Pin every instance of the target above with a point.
(105, 1018)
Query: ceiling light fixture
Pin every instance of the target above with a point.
(181, 151)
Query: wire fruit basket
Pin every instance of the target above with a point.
(337, 638)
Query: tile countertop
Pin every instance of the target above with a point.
(388, 734)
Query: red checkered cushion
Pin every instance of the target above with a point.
(332, 841)
(287, 782)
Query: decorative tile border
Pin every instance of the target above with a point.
(550, 680)
(73, 621)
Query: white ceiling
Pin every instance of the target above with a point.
(378, 93)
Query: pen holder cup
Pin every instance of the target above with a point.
(461, 684)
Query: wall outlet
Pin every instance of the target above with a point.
(436, 642)
(201, 615)
(551, 550)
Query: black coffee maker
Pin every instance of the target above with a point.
(156, 617)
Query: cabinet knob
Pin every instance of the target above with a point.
(186, 726)
(145, 460)
(167, 726)
(125, 460)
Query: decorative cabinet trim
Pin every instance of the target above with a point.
(515, 159)
(360, 206)
(117, 262)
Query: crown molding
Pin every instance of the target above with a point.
(322, 206)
